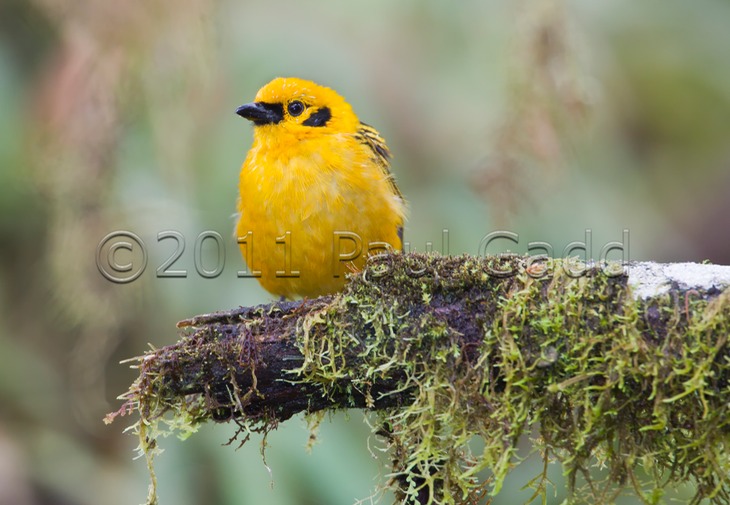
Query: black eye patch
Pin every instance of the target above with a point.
(319, 118)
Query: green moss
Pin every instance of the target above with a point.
(574, 355)
(489, 349)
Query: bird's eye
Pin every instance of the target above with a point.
(295, 108)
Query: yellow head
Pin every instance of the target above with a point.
(288, 105)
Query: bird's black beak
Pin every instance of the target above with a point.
(262, 113)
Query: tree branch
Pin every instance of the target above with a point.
(604, 366)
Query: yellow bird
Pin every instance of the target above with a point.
(316, 193)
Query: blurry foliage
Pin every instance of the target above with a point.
(543, 117)
(549, 104)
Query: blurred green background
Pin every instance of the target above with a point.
(545, 118)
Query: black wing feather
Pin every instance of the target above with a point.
(370, 137)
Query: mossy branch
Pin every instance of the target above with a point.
(447, 349)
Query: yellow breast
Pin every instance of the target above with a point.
(311, 209)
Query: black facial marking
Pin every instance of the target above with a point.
(318, 118)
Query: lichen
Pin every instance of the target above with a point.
(623, 393)
(175, 391)
(571, 354)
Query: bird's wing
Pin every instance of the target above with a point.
(370, 137)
